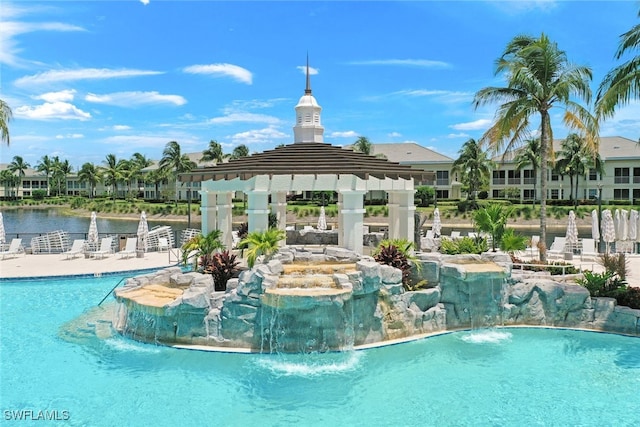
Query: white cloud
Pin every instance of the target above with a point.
(144, 2)
(12, 29)
(135, 98)
(52, 111)
(70, 136)
(239, 106)
(480, 124)
(245, 117)
(121, 127)
(425, 63)
(625, 122)
(457, 135)
(258, 136)
(444, 96)
(55, 76)
(394, 135)
(312, 71)
(345, 134)
(222, 70)
(61, 96)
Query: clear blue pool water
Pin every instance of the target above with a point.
(485, 378)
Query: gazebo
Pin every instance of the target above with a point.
(307, 165)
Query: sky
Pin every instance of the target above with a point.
(90, 78)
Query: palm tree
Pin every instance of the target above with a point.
(262, 243)
(240, 151)
(157, 177)
(213, 153)
(9, 180)
(622, 83)
(539, 77)
(60, 172)
(112, 172)
(492, 220)
(137, 163)
(18, 166)
(5, 117)
(45, 166)
(572, 161)
(174, 160)
(529, 154)
(91, 174)
(362, 145)
(474, 167)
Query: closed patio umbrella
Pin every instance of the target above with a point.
(3, 236)
(595, 226)
(143, 232)
(437, 224)
(608, 228)
(322, 220)
(92, 236)
(634, 218)
(572, 232)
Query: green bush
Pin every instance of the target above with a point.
(38, 194)
(464, 245)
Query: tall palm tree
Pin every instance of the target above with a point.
(621, 84)
(60, 172)
(9, 180)
(5, 117)
(91, 174)
(137, 163)
(157, 177)
(240, 151)
(175, 161)
(539, 77)
(362, 145)
(572, 161)
(112, 172)
(529, 154)
(46, 166)
(213, 153)
(474, 167)
(18, 166)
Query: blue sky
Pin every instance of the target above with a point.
(86, 79)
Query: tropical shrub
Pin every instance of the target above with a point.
(397, 253)
(464, 245)
(492, 220)
(204, 247)
(262, 244)
(222, 266)
(512, 241)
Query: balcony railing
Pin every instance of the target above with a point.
(621, 180)
(498, 181)
(443, 181)
(514, 181)
(530, 181)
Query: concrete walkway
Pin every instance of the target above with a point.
(57, 265)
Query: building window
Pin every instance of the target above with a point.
(442, 194)
(555, 194)
(621, 193)
(26, 193)
(26, 184)
(514, 177)
(43, 184)
(316, 118)
(636, 175)
(554, 176)
(636, 195)
(307, 118)
(529, 177)
(299, 119)
(592, 193)
(498, 178)
(442, 177)
(593, 175)
(529, 195)
(621, 175)
(498, 194)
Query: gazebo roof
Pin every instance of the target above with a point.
(308, 158)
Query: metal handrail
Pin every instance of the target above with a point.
(112, 289)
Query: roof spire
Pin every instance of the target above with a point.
(307, 90)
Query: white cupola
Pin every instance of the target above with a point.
(308, 127)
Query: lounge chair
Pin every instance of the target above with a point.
(129, 248)
(15, 248)
(557, 247)
(163, 244)
(455, 235)
(76, 249)
(589, 249)
(105, 248)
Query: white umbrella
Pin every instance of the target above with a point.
(3, 236)
(608, 228)
(92, 236)
(322, 220)
(572, 231)
(633, 226)
(437, 225)
(623, 233)
(595, 226)
(143, 232)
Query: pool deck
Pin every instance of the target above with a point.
(47, 265)
(44, 265)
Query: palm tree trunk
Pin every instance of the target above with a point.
(544, 147)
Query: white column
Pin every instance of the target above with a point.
(225, 218)
(352, 219)
(279, 208)
(403, 224)
(258, 210)
(340, 222)
(208, 212)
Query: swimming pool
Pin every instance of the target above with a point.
(502, 377)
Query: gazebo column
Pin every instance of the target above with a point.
(208, 211)
(340, 222)
(401, 212)
(352, 211)
(258, 210)
(225, 218)
(279, 208)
